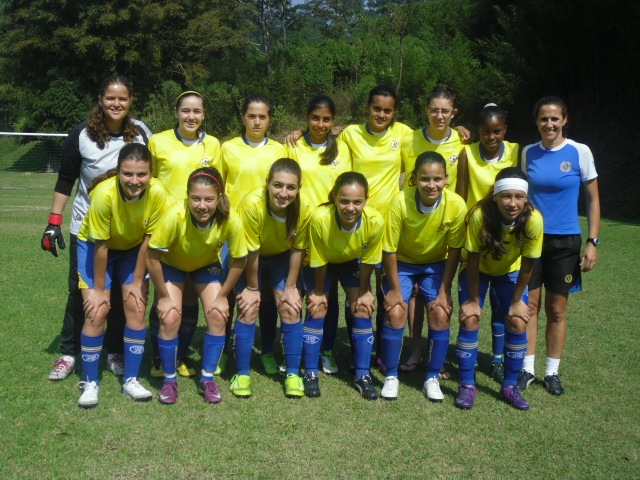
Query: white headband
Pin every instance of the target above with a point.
(511, 184)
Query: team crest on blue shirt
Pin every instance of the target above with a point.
(215, 270)
(566, 167)
(453, 159)
(206, 162)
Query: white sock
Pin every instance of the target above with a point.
(528, 363)
(553, 364)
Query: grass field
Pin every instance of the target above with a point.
(593, 431)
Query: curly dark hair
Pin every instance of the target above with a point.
(97, 126)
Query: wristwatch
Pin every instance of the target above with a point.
(595, 241)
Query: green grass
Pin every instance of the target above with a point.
(593, 431)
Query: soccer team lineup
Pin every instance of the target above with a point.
(252, 230)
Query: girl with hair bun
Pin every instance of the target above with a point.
(478, 166)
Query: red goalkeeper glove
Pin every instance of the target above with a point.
(53, 234)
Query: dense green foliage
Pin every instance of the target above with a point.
(53, 54)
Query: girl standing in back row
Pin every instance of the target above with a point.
(477, 169)
(176, 154)
(245, 164)
(91, 149)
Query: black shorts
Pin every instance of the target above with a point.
(558, 269)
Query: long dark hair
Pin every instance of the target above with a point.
(96, 125)
(331, 150)
(288, 165)
(211, 176)
(131, 151)
(491, 240)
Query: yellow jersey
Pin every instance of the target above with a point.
(267, 232)
(328, 243)
(121, 222)
(245, 168)
(174, 161)
(421, 238)
(317, 179)
(418, 142)
(188, 247)
(482, 173)
(510, 261)
(378, 158)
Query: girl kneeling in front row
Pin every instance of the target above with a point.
(112, 242)
(504, 236)
(187, 241)
(345, 240)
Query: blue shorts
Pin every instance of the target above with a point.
(121, 264)
(210, 274)
(348, 275)
(503, 285)
(428, 277)
(275, 269)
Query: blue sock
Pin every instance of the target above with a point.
(391, 339)
(167, 350)
(243, 335)
(133, 351)
(154, 330)
(467, 354)
(362, 344)
(312, 341)
(91, 347)
(292, 346)
(497, 341)
(438, 345)
(268, 325)
(188, 326)
(331, 324)
(211, 351)
(515, 349)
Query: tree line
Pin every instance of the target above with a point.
(53, 54)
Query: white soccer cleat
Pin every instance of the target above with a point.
(133, 389)
(89, 397)
(432, 390)
(390, 388)
(62, 367)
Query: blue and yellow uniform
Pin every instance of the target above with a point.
(174, 160)
(420, 237)
(123, 223)
(189, 247)
(378, 158)
(418, 142)
(342, 252)
(502, 275)
(267, 233)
